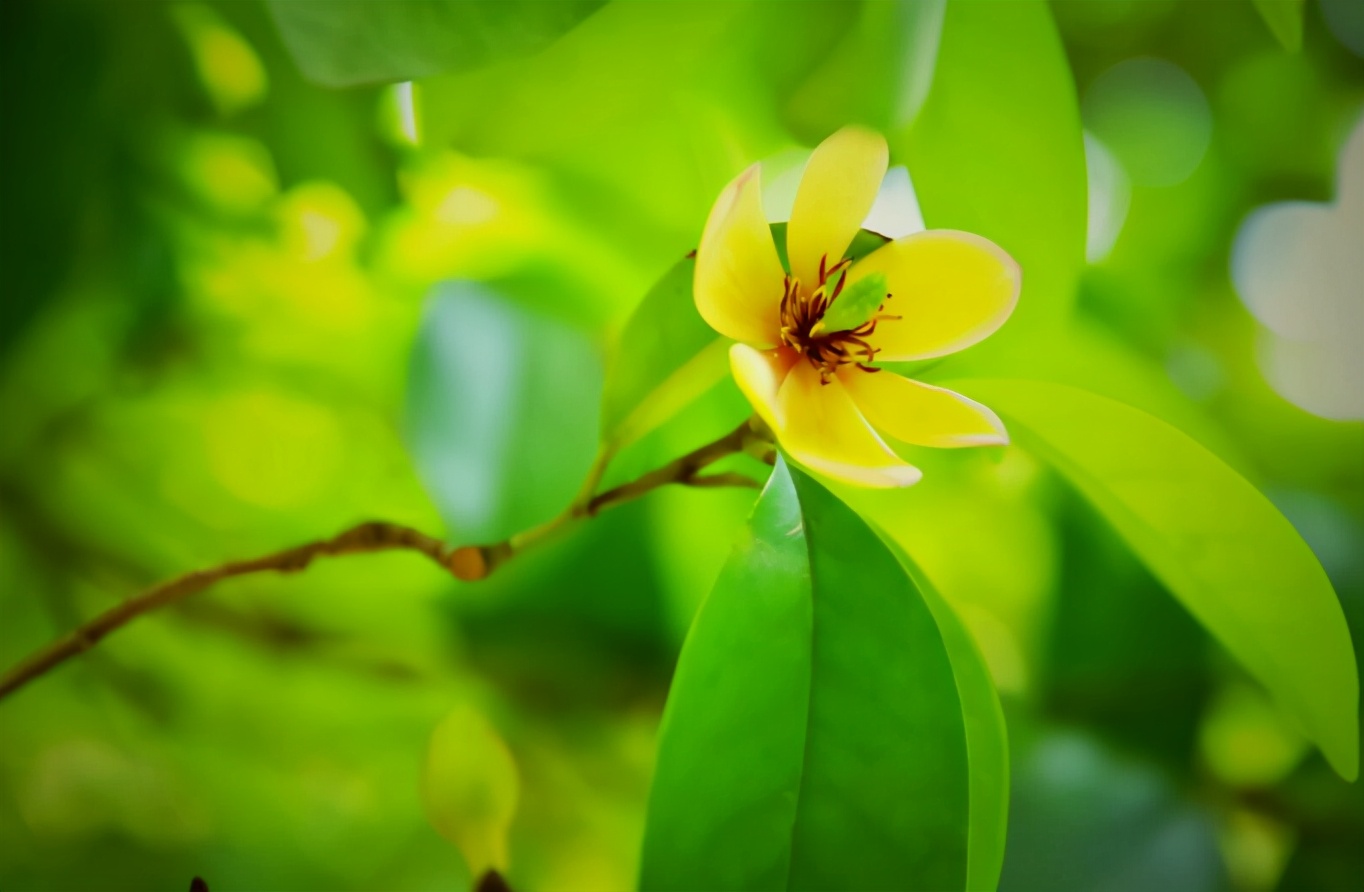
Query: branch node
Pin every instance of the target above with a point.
(468, 563)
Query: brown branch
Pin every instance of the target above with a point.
(366, 537)
(685, 470)
(473, 562)
(468, 563)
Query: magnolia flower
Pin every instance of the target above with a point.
(811, 337)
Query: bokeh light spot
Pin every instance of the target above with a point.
(234, 174)
(227, 66)
(319, 220)
(1153, 117)
(1246, 742)
(270, 450)
(1110, 194)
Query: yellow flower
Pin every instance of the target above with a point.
(810, 338)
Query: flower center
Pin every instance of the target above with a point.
(804, 327)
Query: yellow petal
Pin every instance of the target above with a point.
(922, 414)
(836, 192)
(759, 374)
(819, 426)
(738, 281)
(951, 289)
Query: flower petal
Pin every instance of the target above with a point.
(738, 282)
(759, 374)
(950, 289)
(922, 414)
(819, 426)
(836, 192)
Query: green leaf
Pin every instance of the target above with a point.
(857, 303)
(1013, 168)
(987, 741)
(470, 787)
(813, 737)
(1284, 18)
(500, 414)
(667, 356)
(637, 110)
(339, 43)
(862, 244)
(878, 74)
(1216, 543)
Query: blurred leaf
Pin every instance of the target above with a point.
(1284, 18)
(340, 43)
(1085, 820)
(1122, 658)
(878, 74)
(667, 356)
(647, 109)
(470, 787)
(1090, 355)
(1219, 546)
(500, 412)
(998, 151)
(987, 742)
(810, 741)
(642, 113)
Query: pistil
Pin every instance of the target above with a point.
(803, 328)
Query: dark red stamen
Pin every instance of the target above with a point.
(801, 313)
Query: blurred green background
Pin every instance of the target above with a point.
(242, 310)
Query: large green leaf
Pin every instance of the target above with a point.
(500, 411)
(997, 149)
(339, 43)
(813, 737)
(987, 742)
(1216, 543)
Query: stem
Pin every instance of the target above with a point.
(683, 470)
(367, 537)
(468, 563)
(474, 562)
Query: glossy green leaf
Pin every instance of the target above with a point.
(813, 737)
(987, 741)
(1284, 18)
(1013, 169)
(1092, 356)
(1216, 543)
(666, 357)
(339, 43)
(500, 411)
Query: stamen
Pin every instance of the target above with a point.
(803, 328)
